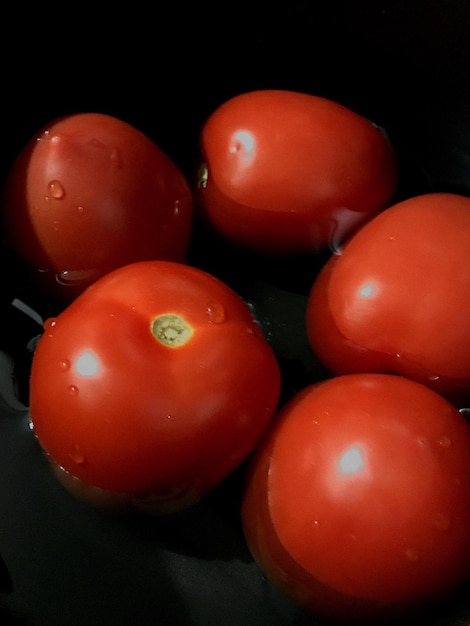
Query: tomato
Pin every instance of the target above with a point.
(396, 297)
(357, 501)
(88, 193)
(155, 382)
(288, 172)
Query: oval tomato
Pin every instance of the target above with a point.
(288, 172)
(396, 297)
(155, 382)
(357, 501)
(89, 193)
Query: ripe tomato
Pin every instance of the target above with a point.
(396, 298)
(89, 193)
(155, 382)
(287, 172)
(357, 501)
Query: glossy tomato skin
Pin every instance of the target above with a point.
(89, 193)
(396, 297)
(357, 501)
(288, 172)
(122, 411)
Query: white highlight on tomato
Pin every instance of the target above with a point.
(244, 143)
(87, 364)
(351, 461)
(367, 290)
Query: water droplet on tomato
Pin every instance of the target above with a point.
(73, 390)
(412, 555)
(441, 521)
(48, 325)
(81, 209)
(64, 365)
(445, 442)
(96, 143)
(216, 313)
(55, 190)
(77, 455)
(74, 277)
(116, 159)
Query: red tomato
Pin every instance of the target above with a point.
(287, 172)
(397, 296)
(155, 382)
(89, 193)
(357, 501)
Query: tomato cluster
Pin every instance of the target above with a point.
(153, 380)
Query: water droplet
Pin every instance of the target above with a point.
(445, 442)
(96, 143)
(49, 324)
(81, 209)
(64, 365)
(73, 390)
(412, 555)
(422, 441)
(316, 523)
(169, 417)
(216, 313)
(176, 207)
(391, 238)
(116, 159)
(77, 455)
(74, 277)
(55, 225)
(56, 190)
(43, 136)
(441, 521)
(433, 378)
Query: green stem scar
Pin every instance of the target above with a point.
(171, 330)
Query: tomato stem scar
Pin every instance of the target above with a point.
(171, 330)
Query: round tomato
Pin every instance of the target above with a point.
(156, 382)
(288, 172)
(396, 297)
(89, 193)
(357, 501)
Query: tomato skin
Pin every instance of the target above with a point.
(161, 422)
(289, 172)
(396, 298)
(357, 500)
(88, 193)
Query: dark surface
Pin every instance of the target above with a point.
(403, 64)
